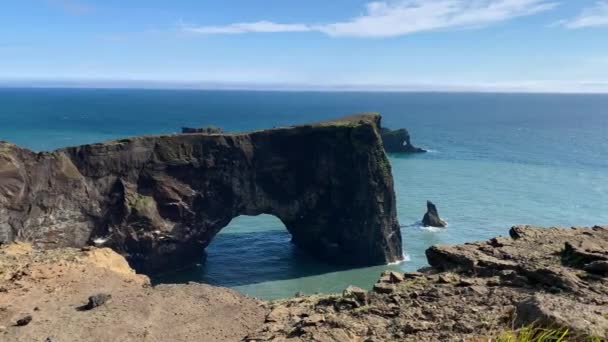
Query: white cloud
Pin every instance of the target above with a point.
(384, 19)
(596, 16)
(400, 17)
(259, 26)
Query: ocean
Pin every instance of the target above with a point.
(495, 160)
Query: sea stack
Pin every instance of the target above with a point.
(398, 141)
(431, 218)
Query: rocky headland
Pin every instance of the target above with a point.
(394, 141)
(160, 200)
(546, 278)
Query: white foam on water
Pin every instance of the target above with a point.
(100, 241)
(433, 229)
(406, 258)
(419, 225)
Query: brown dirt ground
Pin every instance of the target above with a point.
(51, 285)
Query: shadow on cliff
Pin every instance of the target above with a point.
(245, 258)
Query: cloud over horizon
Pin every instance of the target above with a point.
(392, 18)
(596, 16)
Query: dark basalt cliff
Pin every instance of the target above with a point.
(160, 200)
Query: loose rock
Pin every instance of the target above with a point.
(97, 300)
(24, 321)
(355, 292)
(384, 288)
(396, 277)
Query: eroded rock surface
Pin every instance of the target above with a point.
(205, 130)
(471, 292)
(160, 200)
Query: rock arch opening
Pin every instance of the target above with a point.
(252, 249)
(255, 255)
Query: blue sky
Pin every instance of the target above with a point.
(501, 45)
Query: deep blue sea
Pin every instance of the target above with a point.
(496, 160)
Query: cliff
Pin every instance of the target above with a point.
(160, 200)
(394, 141)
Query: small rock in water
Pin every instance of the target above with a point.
(24, 321)
(431, 218)
(97, 300)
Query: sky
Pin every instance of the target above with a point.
(460, 45)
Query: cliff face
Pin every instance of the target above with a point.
(161, 200)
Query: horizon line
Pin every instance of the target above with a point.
(582, 88)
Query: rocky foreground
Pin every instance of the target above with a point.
(550, 278)
(553, 278)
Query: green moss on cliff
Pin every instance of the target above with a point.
(140, 202)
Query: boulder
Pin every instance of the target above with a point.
(384, 288)
(355, 292)
(96, 301)
(431, 218)
(23, 321)
(556, 312)
(396, 277)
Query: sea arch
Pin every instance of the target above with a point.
(160, 200)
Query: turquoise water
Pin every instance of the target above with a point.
(497, 160)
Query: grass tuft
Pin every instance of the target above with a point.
(536, 334)
(532, 334)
